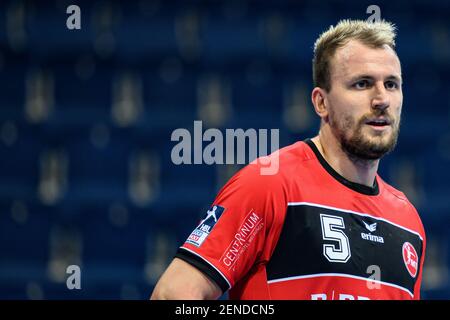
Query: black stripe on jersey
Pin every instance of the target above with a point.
(300, 248)
(203, 266)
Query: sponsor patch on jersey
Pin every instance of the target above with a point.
(410, 258)
(199, 235)
(242, 239)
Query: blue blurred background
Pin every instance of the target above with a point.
(86, 118)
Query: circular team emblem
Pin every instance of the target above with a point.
(410, 258)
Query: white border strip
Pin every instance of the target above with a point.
(353, 212)
(195, 253)
(340, 275)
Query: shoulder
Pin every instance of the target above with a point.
(285, 160)
(395, 194)
(269, 176)
(400, 201)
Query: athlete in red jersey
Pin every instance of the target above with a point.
(325, 226)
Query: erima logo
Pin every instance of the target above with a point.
(370, 237)
(371, 227)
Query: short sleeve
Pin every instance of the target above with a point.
(237, 231)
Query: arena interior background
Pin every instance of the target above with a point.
(86, 117)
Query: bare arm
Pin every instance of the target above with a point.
(182, 281)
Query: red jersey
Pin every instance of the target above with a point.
(308, 233)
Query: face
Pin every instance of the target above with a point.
(365, 100)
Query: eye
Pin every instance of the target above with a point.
(391, 85)
(361, 84)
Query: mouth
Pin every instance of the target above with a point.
(378, 123)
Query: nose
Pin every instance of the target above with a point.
(380, 100)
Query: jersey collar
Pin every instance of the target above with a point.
(370, 191)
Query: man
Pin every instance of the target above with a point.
(326, 226)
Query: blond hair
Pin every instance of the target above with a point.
(373, 34)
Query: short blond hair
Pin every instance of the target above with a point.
(374, 34)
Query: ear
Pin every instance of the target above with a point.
(319, 100)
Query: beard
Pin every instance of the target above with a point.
(359, 145)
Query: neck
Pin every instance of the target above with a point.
(353, 169)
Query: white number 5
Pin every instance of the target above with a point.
(332, 227)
